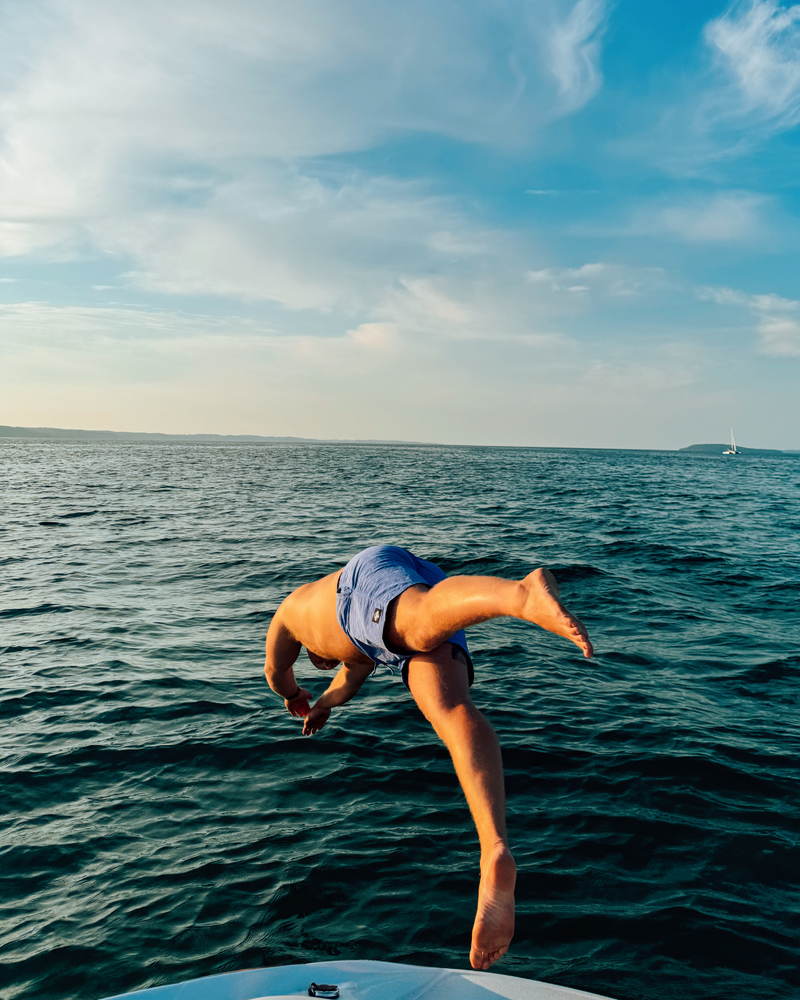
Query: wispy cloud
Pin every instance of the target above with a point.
(723, 296)
(300, 241)
(740, 87)
(615, 280)
(574, 47)
(777, 319)
(722, 217)
(197, 142)
(554, 192)
(779, 326)
(313, 166)
(757, 45)
(780, 336)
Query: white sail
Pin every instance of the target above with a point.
(732, 450)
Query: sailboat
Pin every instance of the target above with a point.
(732, 450)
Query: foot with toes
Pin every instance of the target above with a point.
(542, 607)
(494, 921)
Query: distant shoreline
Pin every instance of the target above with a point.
(719, 449)
(136, 437)
(73, 434)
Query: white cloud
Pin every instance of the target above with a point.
(778, 330)
(200, 146)
(122, 107)
(458, 245)
(375, 337)
(575, 53)
(745, 89)
(780, 337)
(558, 278)
(85, 331)
(757, 44)
(197, 142)
(727, 217)
(723, 217)
(616, 280)
(163, 370)
(429, 305)
(305, 243)
(493, 358)
(722, 296)
(773, 303)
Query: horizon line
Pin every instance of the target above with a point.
(64, 433)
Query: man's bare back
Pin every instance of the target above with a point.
(417, 626)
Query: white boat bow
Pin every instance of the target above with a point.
(357, 980)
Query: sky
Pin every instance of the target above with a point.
(511, 222)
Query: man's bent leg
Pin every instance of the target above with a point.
(422, 617)
(440, 688)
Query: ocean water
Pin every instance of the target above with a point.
(162, 818)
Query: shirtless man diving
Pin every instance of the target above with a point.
(389, 607)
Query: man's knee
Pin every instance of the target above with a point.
(420, 637)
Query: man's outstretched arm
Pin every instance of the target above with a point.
(281, 655)
(345, 684)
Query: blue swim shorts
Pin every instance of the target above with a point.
(366, 586)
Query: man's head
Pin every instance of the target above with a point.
(320, 662)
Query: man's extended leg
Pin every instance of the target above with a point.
(440, 688)
(421, 618)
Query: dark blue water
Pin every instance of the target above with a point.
(163, 819)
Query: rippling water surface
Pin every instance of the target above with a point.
(163, 819)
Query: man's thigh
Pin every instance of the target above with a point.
(439, 680)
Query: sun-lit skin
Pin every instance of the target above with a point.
(420, 621)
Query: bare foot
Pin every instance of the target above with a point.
(542, 607)
(494, 921)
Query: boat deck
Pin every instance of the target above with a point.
(359, 980)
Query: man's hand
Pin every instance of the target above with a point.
(315, 720)
(298, 706)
